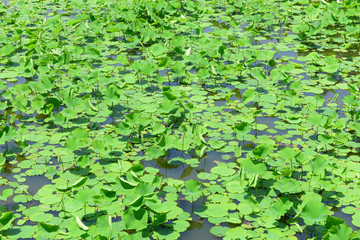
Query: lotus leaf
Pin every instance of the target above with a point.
(21, 232)
(135, 219)
(254, 166)
(222, 171)
(216, 210)
(288, 185)
(192, 189)
(236, 233)
(314, 212)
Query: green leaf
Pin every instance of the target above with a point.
(339, 232)
(6, 220)
(137, 220)
(155, 152)
(50, 199)
(169, 96)
(126, 184)
(242, 129)
(167, 106)
(200, 150)
(314, 211)
(95, 53)
(6, 193)
(99, 145)
(123, 128)
(180, 225)
(262, 150)
(137, 202)
(157, 49)
(248, 95)
(84, 195)
(223, 171)
(258, 74)
(318, 165)
(147, 68)
(216, 210)
(104, 226)
(192, 189)
(20, 232)
(7, 50)
(282, 206)
(164, 62)
(316, 119)
(110, 193)
(288, 185)
(157, 128)
(236, 233)
(216, 144)
(287, 153)
(254, 166)
(72, 205)
(49, 228)
(79, 183)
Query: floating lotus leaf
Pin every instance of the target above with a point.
(236, 233)
(216, 210)
(50, 199)
(234, 187)
(21, 232)
(219, 230)
(356, 219)
(222, 171)
(207, 176)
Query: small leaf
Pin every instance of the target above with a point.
(6, 219)
(248, 95)
(137, 202)
(126, 184)
(50, 228)
(7, 49)
(80, 182)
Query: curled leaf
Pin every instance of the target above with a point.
(81, 224)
